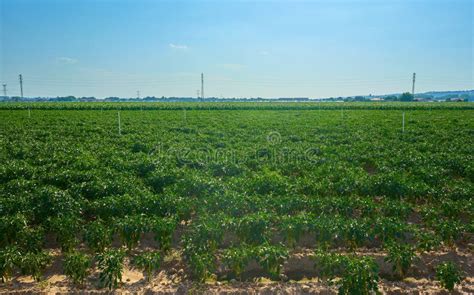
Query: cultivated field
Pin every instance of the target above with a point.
(237, 197)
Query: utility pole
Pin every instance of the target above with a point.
(413, 86)
(21, 85)
(4, 90)
(202, 85)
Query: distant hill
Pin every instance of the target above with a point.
(436, 94)
(440, 95)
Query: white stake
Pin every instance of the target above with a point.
(403, 122)
(119, 127)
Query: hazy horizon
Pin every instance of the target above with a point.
(245, 49)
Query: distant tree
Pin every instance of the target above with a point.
(406, 96)
(64, 98)
(464, 97)
(391, 98)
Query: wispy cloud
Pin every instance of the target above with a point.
(178, 46)
(66, 60)
(232, 66)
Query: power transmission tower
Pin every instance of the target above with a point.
(4, 90)
(198, 94)
(138, 94)
(21, 85)
(413, 85)
(202, 85)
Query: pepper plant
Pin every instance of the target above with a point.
(448, 274)
(76, 266)
(34, 264)
(98, 236)
(10, 258)
(110, 265)
(148, 262)
(401, 256)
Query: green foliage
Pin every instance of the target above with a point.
(330, 264)
(34, 264)
(76, 266)
(237, 258)
(98, 236)
(110, 265)
(202, 265)
(200, 243)
(406, 96)
(396, 208)
(67, 229)
(10, 227)
(401, 256)
(31, 239)
(448, 274)
(355, 232)
(271, 258)
(348, 179)
(360, 277)
(293, 227)
(163, 228)
(427, 241)
(10, 257)
(448, 230)
(389, 229)
(148, 262)
(275, 106)
(253, 228)
(353, 274)
(160, 178)
(205, 234)
(130, 229)
(267, 182)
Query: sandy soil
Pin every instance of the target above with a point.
(300, 278)
(164, 285)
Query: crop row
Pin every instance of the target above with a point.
(350, 272)
(235, 106)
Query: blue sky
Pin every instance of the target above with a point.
(245, 48)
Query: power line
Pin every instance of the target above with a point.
(265, 79)
(259, 81)
(240, 82)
